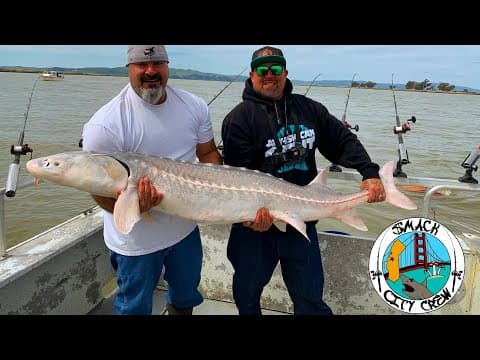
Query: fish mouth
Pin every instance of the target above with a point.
(36, 164)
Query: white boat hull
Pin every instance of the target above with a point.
(51, 76)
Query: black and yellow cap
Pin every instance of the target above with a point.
(267, 54)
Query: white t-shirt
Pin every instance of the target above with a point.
(172, 130)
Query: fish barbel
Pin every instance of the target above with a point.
(208, 193)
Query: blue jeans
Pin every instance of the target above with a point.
(254, 256)
(137, 276)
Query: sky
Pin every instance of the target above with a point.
(457, 65)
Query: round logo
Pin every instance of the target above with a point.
(416, 265)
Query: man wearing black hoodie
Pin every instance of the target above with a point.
(278, 132)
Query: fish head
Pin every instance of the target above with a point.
(98, 174)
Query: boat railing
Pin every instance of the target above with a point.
(432, 184)
(433, 190)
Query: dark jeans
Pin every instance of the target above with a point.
(254, 256)
(138, 276)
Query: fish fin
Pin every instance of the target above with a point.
(321, 178)
(291, 219)
(282, 226)
(126, 212)
(394, 196)
(351, 218)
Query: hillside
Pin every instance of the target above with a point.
(198, 75)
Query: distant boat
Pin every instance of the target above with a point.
(51, 76)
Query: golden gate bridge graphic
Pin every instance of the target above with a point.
(415, 252)
(416, 265)
(417, 271)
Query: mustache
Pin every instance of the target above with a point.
(156, 77)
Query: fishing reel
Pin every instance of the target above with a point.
(21, 150)
(348, 126)
(469, 164)
(402, 129)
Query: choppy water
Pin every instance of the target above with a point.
(445, 132)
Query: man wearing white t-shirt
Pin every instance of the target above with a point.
(150, 117)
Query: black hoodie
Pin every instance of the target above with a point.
(248, 136)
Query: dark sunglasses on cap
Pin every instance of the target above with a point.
(262, 70)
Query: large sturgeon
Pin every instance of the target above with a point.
(209, 193)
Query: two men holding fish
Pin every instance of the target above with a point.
(135, 143)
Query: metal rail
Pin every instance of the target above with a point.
(429, 194)
(3, 240)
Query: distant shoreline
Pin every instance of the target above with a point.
(69, 72)
(32, 71)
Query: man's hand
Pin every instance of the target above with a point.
(148, 196)
(263, 221)
(376, 192)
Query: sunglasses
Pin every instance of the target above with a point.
(262, 70)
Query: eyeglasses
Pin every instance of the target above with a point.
(262, 70)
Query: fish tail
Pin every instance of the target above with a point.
(394, 196)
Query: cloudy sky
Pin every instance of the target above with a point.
(455, 64)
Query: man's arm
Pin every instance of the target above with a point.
(105, 203)
(208, 153)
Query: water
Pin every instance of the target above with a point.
(445, 132)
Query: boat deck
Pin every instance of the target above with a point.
(208, 307)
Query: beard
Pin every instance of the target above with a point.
(151, 95)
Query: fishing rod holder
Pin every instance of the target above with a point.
(14, 169)
(469, 165)
(402, 129)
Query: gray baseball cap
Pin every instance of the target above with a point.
(145, 53)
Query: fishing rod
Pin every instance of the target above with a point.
(220, 145)
(17, 150)
(226, 86)
(469, 165)
(313, 81)
(335, 167)
(400, 129)
(345, 122)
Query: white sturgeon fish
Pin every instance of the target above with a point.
(208, 193)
